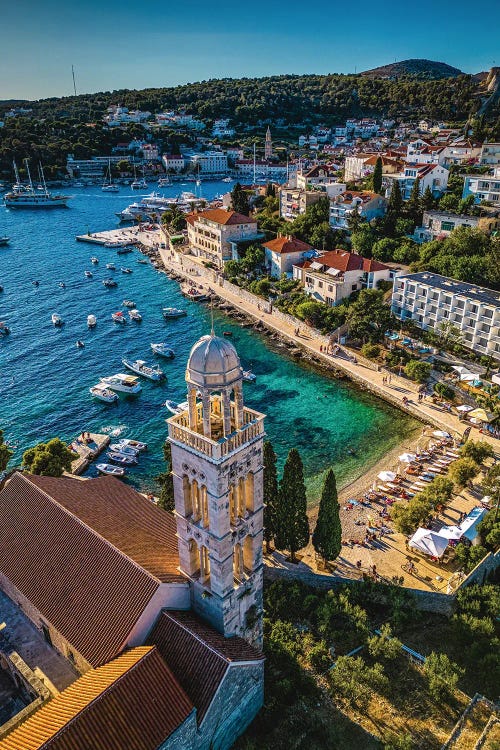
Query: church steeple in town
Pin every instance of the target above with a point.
(268, 148)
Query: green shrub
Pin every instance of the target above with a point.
(443, 390)
(478, 450)
(371, 351)
(463, 470)
(418, 370)
(442, 675)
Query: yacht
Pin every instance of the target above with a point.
(135, 315)
(88, 274)
(109, 283)
(135, 444)
(163, 350)
(123, 383)
(115, 471)
(27, 196)
(140, 184)
(140, 367)
(102, 393)
(249, 376)
(4, 241)
(126, 270)
(109, 186)
(176, 408)
(173, 312)
(119, 317)
(121, 459)
(91, 321)
(56, 320)
(111, 266)
(124, 250)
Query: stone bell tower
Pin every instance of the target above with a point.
(217, 466)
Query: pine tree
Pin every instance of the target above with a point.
(395, 204)
(427, 201)
(377, 176)
(292, 524)
(327, 536)
(5, 453)
(270, 493)
(239, 200)
(166, 481)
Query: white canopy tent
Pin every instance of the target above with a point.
(428, 542)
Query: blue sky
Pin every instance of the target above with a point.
(132, 44)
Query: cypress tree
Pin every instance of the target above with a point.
(327, 536)
(239, 200)
(292, 524)
(270, 480)
(377, 176)
(413, 203)
(395, 200)
(166, 480)
(427, 201)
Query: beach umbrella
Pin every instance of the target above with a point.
(441, 434)
(387, 476)
(407, 458)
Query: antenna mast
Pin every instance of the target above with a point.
(73, 74)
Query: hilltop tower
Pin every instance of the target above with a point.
(218, 488)
(268, 148)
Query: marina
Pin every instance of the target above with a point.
(52, 397)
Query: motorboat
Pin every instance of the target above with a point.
(119, 317)
(124, 250)
(135, 444)
(135, 315)
(80, 344)
(109, 283)
(115, 243)
(88, 274)
(91, 321)
(140, 367)
(249, 376)
(228, 179)
(111, 266)
(143, 261)
(164, 181)
(114, 471)
(125, 450)
(56, 320)
(62, 285)
(102, 393)
(109, 186)
(126, 270)
(163, 350)
(123, 383)
(122, 460)
(227, 333)
(4, 241)
(94, 260)
(4, 329)
(128, 303)
(140, 184)
(176, 408)
(173, 312)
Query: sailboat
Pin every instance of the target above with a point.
(138, 184)
(109, 186)
(25, 196)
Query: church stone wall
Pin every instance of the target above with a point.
(184, 737)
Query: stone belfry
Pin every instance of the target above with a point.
(218, 488)
(268, 147)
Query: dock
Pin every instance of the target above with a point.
(87, 450)
(118, 237)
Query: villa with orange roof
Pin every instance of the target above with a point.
(214, 234)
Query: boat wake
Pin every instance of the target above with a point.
(114, 430)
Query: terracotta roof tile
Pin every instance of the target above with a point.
(221, 216)
(80, 583)
(283, 245)
(132, 703)
(193, 648)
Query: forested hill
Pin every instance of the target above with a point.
(290, 99)
(418, 68)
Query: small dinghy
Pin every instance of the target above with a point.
(88, 274)
(109, 283)
(119, 317)
(56, 320)
(104, 394)
(135, 444)
(173, 312)
(122, 460)
(134, 314)
(91, 321)
(114, 471)
(80, 344)
(163, 350)
(94, 260)
(125, 450)
(111, 266)
(128, 303)
(249, 376)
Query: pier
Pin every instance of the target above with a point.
(87, 450)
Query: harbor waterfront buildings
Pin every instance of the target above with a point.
(213, 234)
(153, 618)
(430, 300)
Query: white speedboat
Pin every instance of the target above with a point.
(111, 266)
(123, 383)
(112, 188)
(56, 320)
(121, 459)
(139, 184)
(135, 315)
(109, 283)
(176, 408)
(163, 350)
(126, 270)
(80, 344)
(173, 312)
(94, 260)
(128, 303)
(164, 182)
(119, 317)
(4, 241)
(249, 376)
(103, 394)
(88, 274)
(140, 367)
(125, 450)
(91, 321)
(135, 444)
(114, 471)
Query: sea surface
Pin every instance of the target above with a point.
(45, 379)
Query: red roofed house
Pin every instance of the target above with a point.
(335, 275)
(211, 232)
(283, 253)
(94, 571)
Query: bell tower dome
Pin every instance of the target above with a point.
(217, 466)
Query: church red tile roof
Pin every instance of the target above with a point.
(284, 245)
(86, 588)
(193, 648)
(132, 703)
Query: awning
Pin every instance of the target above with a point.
(470, 523)
(428, 542)
(441, 434)
(464, 408)
(333, 271)
(316, 266)
(387, 476)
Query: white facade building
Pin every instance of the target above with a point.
(441, 224)
(483, 187)
(212, 232)
(210, 162)
(367, 204)
(173, 161)
(429, 300)
(490, 154)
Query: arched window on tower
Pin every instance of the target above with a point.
(204, 505)
(233, 510)
(238, 570)
(249, 493)
(195, 500)
(241, 497)
(204, 564)
(186, 488)
(194, 558)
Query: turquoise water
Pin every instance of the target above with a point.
(44, 378)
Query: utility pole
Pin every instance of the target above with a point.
(73, 74)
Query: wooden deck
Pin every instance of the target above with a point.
(87, 451)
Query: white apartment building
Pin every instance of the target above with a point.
(367, 204)
(210, 162)
(212, 233)
(490, 154)
(294, 201)
(118, 115)
(483, 187)
(321, 174)
(438, 224)
(429, 299)
(433, 176)
(221, 129)
(174, 162)
(90, 169)
(265, 170)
